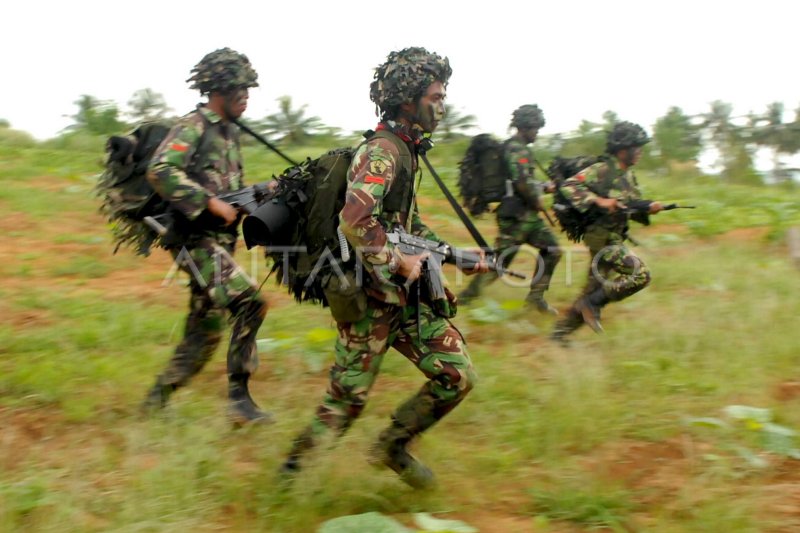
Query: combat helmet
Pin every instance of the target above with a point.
(221, 71)
(405, 76)
(528, 116)
(625, 135)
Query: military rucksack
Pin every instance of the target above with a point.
(483, 174)
(298, 227)
(572, 221)
(126, 195)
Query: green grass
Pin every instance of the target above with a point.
(549, 437)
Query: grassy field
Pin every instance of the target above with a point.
(681, 417)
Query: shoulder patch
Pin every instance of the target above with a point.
(374, 179)
(377, 166)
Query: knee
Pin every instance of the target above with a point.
(469, 379)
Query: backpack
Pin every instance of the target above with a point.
(126, 195)
(299, 224)
(483, 174)
(572, 221)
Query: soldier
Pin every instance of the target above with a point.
(409, 93)
(204, 234)
(517, 216)
(608, 185)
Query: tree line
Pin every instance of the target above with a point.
(678, 138)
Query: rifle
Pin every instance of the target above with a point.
(440, 252)
(245, 200)
(643, 207)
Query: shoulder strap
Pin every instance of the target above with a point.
(456, 207)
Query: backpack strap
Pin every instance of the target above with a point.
(399, 198)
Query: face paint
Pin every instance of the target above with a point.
(236, 103)
(430, 115)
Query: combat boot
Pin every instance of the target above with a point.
(157, 398)
(536, 300)
(589, 306)
(242, 409)
(566, 325)
(390, 450)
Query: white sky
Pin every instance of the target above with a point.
(574, 58)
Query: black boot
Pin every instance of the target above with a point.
(535, 300)
(242, 409)
(157, 398)
(572, 321)
(589, 306)
(390, 450)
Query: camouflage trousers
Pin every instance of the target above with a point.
(513, 233)
(614, 269)
(614, 266)
(439, 353)
(217, 284)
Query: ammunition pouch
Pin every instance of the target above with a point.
(345, 296)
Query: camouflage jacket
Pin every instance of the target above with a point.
(221, 169)
(603, 179)
(519, 158)
(364, 220)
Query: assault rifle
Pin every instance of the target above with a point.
(643, 206)
(245, 200)
(441, 252)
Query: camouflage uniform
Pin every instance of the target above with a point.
(615, 272)
(519, 223)
(428, 340)
(203, 248)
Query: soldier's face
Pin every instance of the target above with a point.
(631, 156)
(430, 107)
(529, 134)
(236, 103)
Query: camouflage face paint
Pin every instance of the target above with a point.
(236, 103)
(430, 107)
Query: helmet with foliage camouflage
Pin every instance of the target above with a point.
(528, 116)
(221, 71)
(405, 76)
(625, 135)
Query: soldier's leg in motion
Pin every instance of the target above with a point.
(616, 274)
(440, 354)
(574, 317)
(202, 335)
(360, 349)
(505, 247)
(229, 286)
(542, 238)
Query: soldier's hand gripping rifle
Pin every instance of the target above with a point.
(643, 207)
(438, 254)
(245, 200)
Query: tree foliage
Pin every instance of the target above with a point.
(96, 116)
(147, 105)
(290, 125)
(676, 138)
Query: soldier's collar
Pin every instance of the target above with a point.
(406, 133)
(208, 114)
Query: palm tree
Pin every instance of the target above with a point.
(290, 125)
(146, 105)
(456, 124)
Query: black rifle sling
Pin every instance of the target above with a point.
(265, 142)
(456, 207)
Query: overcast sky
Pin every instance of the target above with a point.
(575, 59)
